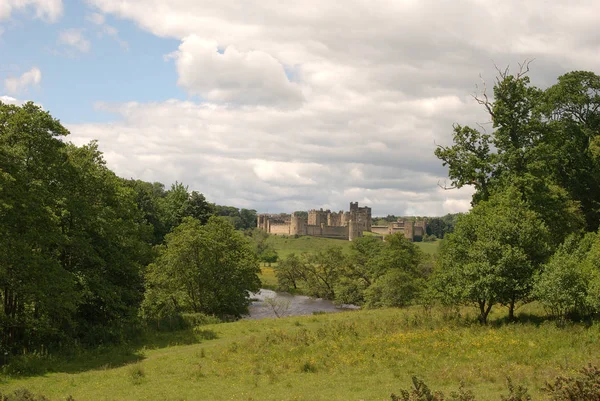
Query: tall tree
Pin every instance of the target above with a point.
(107, 243)
(520, 151)
(33, 284)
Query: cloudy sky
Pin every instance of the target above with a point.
(284, 105)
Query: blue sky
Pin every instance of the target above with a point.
(282, 106)
(74, 81)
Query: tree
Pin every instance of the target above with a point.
(563, 286)
(107, 244)
(322, 271)
(197, 207)
(522, 151)
(289, 272)
(33, 284)
(248, 218)
(572, 108)
(494, 252)
(208, 269)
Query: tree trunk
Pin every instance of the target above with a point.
(511, 310)
(484, 311)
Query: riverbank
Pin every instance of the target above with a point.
(361, 355)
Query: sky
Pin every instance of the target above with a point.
(278, 105)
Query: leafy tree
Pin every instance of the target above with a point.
(289, 272)
(563, 285)
(440, 226)
(322, 271)
(197, 207)
(494, 252)
(572, 108)
(207, 269)
(363, 263)
(33, 284)
(150, 201)
(301, 213)
(248, 218)
(521, 151)
(263, 246)
(107, 243)
(396, 288)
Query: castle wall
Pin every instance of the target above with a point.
(313, 230)
(383, 230)
(279, 229)
(419, 231)
(335, 232)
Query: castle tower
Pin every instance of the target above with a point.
(409, 229)
(297, 225)
(353, 230)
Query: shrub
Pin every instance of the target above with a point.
(584, 388)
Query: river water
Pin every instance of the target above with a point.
(268, 303)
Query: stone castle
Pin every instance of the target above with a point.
(341, 225)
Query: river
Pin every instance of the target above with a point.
(284, 304)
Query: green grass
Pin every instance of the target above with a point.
(364, 355)
(429, 248)
(268, 278)
(287, 245)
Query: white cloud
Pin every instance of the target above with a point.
(318, 103)
(20, 84)
(252, 77)
(47, 10)
(11, 100)
(74, 38)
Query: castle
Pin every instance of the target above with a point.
(341, 225)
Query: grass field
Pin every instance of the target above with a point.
(363, 355)
(287, 245)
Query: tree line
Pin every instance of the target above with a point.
(84, 253)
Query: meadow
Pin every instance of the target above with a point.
(360, 355)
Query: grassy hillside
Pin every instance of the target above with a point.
(287, 245)
(364, 355)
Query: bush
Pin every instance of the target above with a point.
(395, 288)
(584, 388)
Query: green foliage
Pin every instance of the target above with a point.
(440, 226)
(241, 219)
(568, 283)
(263, 245)
(72, 240)
(536, 133)
(289, 272)
(207, 269)
(493, 254)
(396, 288)
(373, 272)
